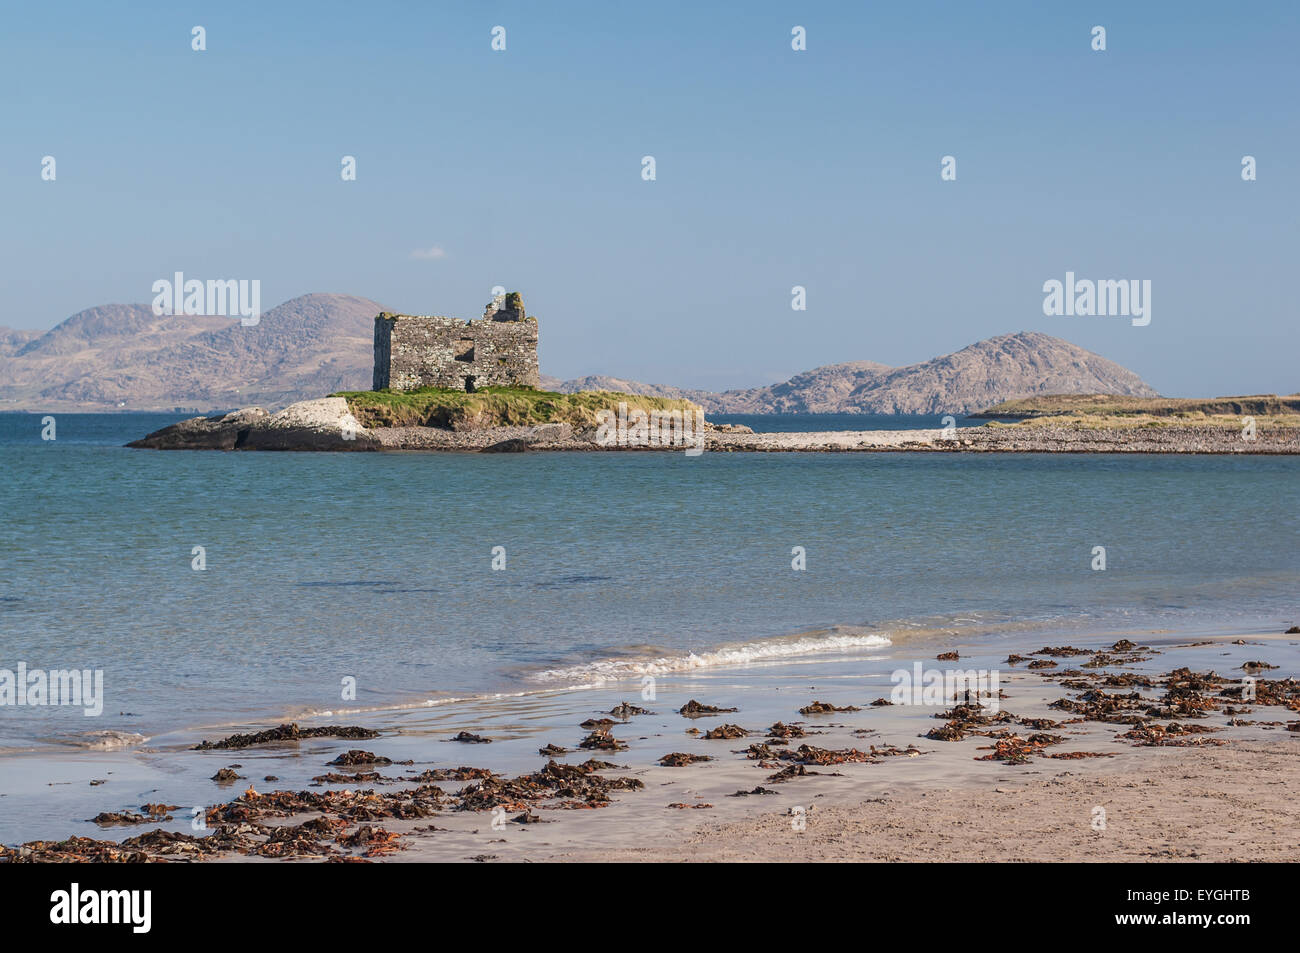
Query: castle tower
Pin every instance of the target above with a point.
(499, 350)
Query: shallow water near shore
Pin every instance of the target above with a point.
(321, 567)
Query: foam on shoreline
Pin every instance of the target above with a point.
(739, 653)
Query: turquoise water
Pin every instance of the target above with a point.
(379, 567)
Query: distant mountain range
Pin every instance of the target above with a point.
(986, 373)
(122, 356)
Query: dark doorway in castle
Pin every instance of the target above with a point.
(469, 384)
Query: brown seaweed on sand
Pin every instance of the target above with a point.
(1102, 660)
(240, 824)
(627, 710)
(1017, 750)
(602, 740)
(552, 751)
(470, 739)
(693, 709)
(1282, 691)
(74, 850)
(300, 840)
(680, 759)
(971, 716)
(810, 754)
(1076, 755)
(725, 733)
(360, 777)
(888, 751)
(948, 732)
(356, 756)
(1096, 705)
(290, 732)
(106, 818)
(573, 785)
(374, 841)
(451, 774)
(1128, 680)
(782, 730)
(1039, 724)
(788, 772)
(1171, 735)
(825, 708)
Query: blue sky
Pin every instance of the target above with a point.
(775, 168)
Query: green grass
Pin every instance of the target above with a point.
(1183, 409)
(492, 407)
(1129, 421)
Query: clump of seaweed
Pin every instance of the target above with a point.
(357, 756)
(725, 732)
(810, 754)
(602, 740)
(782, 730)
(466, 737)
(627, 710)
(1014, 749)
(1173, 734)
(825, 708)
(694, 709)
(289, 732)
(680, 759)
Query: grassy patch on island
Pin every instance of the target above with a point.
(493, 407)
(1110, 405)
(1109, 412)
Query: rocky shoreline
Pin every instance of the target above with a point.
(327, 424)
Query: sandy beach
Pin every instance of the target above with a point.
(1212, 804)
(1046, 773)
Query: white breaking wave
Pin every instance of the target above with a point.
(607, 670)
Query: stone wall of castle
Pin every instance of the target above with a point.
(413, 351)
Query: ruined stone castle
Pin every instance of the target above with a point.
(500, 349)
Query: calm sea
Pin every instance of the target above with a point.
(380, 567)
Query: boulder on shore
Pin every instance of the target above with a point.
(322, 424)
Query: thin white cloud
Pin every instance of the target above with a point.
(429, 254)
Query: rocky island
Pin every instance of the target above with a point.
(443, 383)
